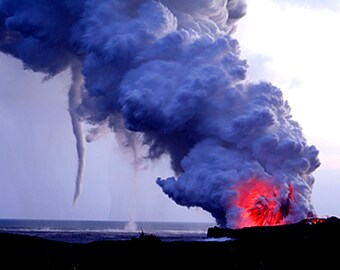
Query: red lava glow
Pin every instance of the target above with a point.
(260, 204)
(315, 220)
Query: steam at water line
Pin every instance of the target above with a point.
(167, 76)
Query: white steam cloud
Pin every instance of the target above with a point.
(168, 74)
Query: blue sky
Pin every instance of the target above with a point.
(292, 44)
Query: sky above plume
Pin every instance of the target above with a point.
(292, 44)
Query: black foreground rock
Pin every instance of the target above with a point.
(308, 229)
(305, 245)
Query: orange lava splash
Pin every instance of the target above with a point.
(261, 205)
(315, 220)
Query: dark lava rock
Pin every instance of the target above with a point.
(307, 229)
(309, 244)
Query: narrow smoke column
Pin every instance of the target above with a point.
(74, 97)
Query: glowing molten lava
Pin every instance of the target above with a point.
(315, 220)
(260, 204)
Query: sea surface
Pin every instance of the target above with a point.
(90, 231)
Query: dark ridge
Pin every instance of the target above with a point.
(309, 244)
(307, 229)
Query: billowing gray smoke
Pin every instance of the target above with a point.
(168, 74)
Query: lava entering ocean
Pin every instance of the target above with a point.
(261, 205)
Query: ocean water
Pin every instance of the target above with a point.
(90, 231)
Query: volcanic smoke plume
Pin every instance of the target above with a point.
(168, 75)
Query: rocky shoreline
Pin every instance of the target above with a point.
(304, 249)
